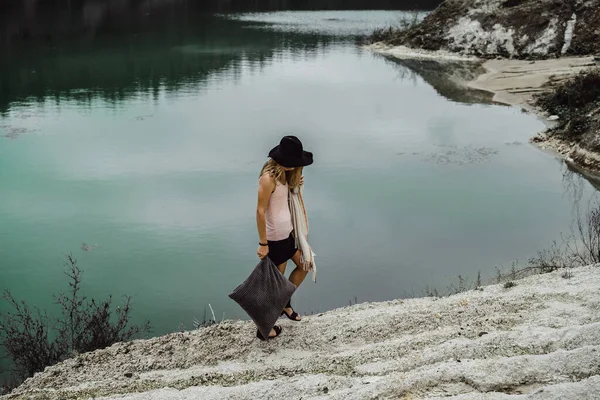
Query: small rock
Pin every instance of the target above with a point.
(128, 374)
(325, 390)
(553, 118)
(482, 333)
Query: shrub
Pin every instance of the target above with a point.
(574, 101)
(578, 92)
(405, 24)
(33, 340)
(25, 334)
(7, 385)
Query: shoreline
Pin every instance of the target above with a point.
(513, 83)
(540, 337)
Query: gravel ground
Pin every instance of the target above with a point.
(537, 340)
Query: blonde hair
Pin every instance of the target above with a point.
(277, 172)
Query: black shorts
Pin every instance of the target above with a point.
(282, 250)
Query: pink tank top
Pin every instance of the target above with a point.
(278, 216)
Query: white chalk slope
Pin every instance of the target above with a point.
(538, 340)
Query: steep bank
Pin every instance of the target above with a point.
(538, 340)
(531, 29)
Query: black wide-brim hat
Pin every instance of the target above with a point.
(291, 154)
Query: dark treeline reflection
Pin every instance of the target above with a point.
(225, 5)
(170, 53)
(81, 49)
(22, 19)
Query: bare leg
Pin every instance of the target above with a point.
(296, 277)
(289, 311)
(281, 268)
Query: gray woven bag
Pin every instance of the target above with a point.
(263, 295)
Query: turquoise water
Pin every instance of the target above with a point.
(139, 151)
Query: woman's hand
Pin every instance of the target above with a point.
(262, 251)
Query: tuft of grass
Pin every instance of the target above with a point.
(206, 320)
(509, 284)
(429, 292)
(405, 24)
(568, 274)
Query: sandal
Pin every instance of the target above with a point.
(291, 316)
(277, 330)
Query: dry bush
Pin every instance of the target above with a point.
(576, 102)
(33, 340)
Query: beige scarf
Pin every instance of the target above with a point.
(300, 222)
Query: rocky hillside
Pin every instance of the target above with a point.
(508, 28)
(539, 339)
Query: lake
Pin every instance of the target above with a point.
(137, 148)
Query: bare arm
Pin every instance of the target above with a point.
(266, 186)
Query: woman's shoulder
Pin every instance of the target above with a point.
(267, 179)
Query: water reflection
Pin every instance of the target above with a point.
(114, 50)
(114, 67)
(446, 77)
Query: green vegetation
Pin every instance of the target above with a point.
(34, 340)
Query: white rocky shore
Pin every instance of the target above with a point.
(537, 340)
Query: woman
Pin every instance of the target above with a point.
(282, 172)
